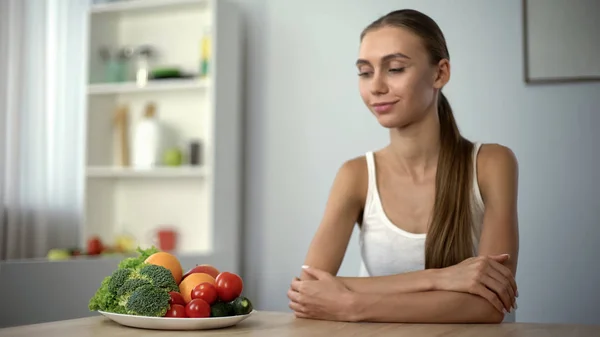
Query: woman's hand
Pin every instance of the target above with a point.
(484, 276)
(325, 297)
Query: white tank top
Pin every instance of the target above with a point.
(385, 248)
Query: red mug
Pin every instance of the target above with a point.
(166, 239)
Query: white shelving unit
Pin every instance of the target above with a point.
(132, 87)
(161, 172)
(201, 201)
(137, 5)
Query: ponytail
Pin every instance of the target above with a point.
(449, 240)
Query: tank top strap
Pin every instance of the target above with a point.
(476, 190)
(372, 180)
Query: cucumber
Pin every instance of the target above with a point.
(241, 306)
(221, 309)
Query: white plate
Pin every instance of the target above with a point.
(169, 323)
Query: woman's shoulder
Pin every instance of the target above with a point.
(353, 173)
(492, 155)
(354, 168)
(497, 165)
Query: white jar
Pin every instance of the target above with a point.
(148, 140)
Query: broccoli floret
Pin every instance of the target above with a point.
(110, 295)
(125, 292)
(117, 279)
(159, 276)
(136, 262)
(129, 286)
(148, 300)
(106, 298)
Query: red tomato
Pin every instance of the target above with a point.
(176, 298)
(205, 291)
(176, 310)
(229, 286)
(197, 308)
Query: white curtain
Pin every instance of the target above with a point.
(42, 125)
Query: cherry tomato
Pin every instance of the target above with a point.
(229, 286)
(205, 291)
(176, 310)
(176, 298)
(197, 308)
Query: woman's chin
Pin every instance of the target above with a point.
(390, 121)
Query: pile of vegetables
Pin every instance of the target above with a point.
(152, 284)
(136, 288)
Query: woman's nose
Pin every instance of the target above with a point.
(378, 84)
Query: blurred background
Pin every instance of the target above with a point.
(214, 129)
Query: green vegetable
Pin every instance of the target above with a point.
(129, 286)
(117, 279)
(148, 300)
(103, 298)
(116, 291)
(159, 276)
(221, 309)
(241, 306)
(136, 262)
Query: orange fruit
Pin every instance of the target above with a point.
(189, 283)
(168, 261)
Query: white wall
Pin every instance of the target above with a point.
(305, 118)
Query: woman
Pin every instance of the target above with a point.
(437, 213)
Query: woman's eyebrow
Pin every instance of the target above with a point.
(383, 59)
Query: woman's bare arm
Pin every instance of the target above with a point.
(424, 307)
(344, 206)
(499, 188)
(411, 282)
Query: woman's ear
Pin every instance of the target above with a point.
(442, 74)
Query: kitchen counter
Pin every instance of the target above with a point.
(274, 324)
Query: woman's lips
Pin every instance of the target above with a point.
(383, 107)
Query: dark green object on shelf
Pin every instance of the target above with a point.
(162, 73)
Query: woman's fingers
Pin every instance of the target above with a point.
(506, 284)
(297, 307)
(500, 258)
(293, 295)
(295, 285)
(295, 304)
(502, 269)
(301, 315)
(500, 290)
(490, 296)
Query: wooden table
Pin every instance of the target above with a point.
(273, 324)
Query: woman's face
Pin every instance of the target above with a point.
(396, 78)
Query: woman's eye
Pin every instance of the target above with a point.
(397, 70)
(363, 73)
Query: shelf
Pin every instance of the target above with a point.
(202, 202)
(137, 5)
(152, 86)
(159, 172)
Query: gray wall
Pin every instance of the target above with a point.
(305, 118)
